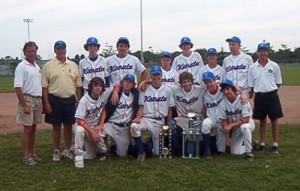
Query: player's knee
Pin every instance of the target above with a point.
(206, 127)
(245, 128)
(80, 131)
(135, 130)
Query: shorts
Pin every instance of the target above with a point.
(267, 104)
(63, 110)
(35, 116)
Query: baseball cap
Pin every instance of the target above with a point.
(60, 44)
(185, 40)
(212, 51)
(234, 39)
(129, 77)
(123, 40)
(263, 46)
(155, 70)
(91, 41)
(166, 54)
(227, 82)
(208, 76)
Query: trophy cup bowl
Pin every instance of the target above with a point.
(191, 115)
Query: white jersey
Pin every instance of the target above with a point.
(191, 101)
(117, 68)
(264, 79)
(236, 69)
(218, 71)
(235, 111)
(156, 102)
(28, 78)
(89, 109)
(124, 110)
(211, 103)
(89, 69)
(191, 64)
(170, 77)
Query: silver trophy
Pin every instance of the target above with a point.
(165, 150)
(191, 139)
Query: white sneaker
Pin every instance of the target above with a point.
(79, 162)
(56, 155)
(68, 154)
(141, 157)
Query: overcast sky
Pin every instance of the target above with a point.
(207, 22)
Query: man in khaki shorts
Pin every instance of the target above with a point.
(62, 84)
(28, 88)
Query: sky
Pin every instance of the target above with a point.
(207, 22)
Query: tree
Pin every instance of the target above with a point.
(82, 56)
(108, 50)
(77, 57)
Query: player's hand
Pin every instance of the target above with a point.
(100, 128)
(228, 142)
(227, 128)
(243, 98)
(115, 98)
(95, 137)
(136, 120)
(26, 109)
(142, 86)
(48, 109)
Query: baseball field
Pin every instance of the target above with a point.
(223, 172)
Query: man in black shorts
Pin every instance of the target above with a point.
(264, 80)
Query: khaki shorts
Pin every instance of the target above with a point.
(35, 116)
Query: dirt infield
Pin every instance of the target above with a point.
(289, 96)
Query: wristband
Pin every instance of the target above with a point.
(81, 122)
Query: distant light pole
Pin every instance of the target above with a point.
(28, 21)
(141, 20)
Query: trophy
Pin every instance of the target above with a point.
(191, 139)
(165, 149)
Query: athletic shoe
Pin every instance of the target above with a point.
(262, 148)
(29, 161)
(207, 156)
(68, 154)
(79, 162)
(255, 145)
(275, 150)
(141, 157)
(56, 155)
(103, 157)
(36, 158)
(249, 156)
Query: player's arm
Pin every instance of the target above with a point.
(102, 120)
(143, 75)
(91, 131)
(243, 97)
(21, 99)
(139, 115)
(225, 123)
(142, 87)
(251, 93)
(47, 106)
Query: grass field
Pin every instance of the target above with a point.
(289, 75)
(224, 172)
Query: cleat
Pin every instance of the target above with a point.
(262, 148)
(275, 150)
(103, 157)
(56, 155)
(36, 158)
(249, 156)
(141, 157)
(29, 161)
(68, 154)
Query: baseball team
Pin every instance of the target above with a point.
(102, 102)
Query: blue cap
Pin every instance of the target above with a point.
(92, 40)
(212, 51)
(227, 82)
(155, 70)
(123, 40)
(129, 77)
(185, 40)
(234, 39)
(263, 46)
(59, 44)
(166, 54)
(208, 76)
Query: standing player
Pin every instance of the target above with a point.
(62, 89)
(169, 75)
(237, 121)
(87, 117)
(93, 65)
(155, 105)
(116, 119)
(188, 61)
(265, 79)
(237, 64)
(28, 88)
(123, 63)
(212, 66)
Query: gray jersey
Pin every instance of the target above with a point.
(211, 103)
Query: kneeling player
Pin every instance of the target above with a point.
(237, 121)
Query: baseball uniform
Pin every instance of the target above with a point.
(242, 135)
(170, 77)
(218, 71)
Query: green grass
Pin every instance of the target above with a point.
(290, 74)
(224, 172)
(6, 84)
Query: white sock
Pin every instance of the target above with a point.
(275, 144)
(263, 144)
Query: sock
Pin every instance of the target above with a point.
(206, 140)
(263, 144)
(275, 144)
(139, 144)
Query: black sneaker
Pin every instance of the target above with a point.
(249, 156)
(275, 150)
(207, 156)
(103, 157)
(262, 148)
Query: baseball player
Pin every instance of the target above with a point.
(87, 117)
(93, 65)
(169, 75)
(264, 80)
(116, 119)
(211, 100)
(237, 122)
(212, 66)
(188, 61)
(237, 64)
(123, 63)
(155, 104)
